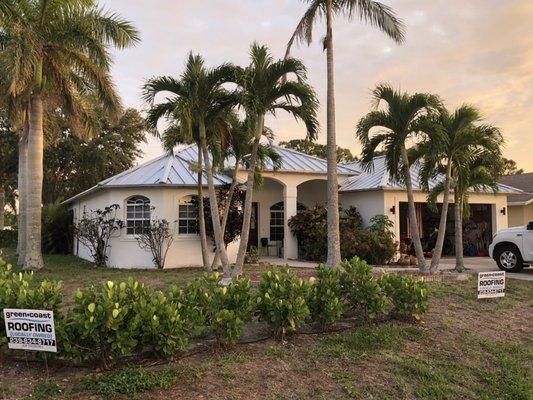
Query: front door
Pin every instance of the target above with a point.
(254, 227)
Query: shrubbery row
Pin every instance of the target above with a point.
(119, 319)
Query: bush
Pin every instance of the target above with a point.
(281, 300)
(57, 229)
(223, 310)
(409, 297)
(252, 255)
(325, 296)
(17, 290)
(115, 320)
(8, 238)
(362, 292)
(374, 244)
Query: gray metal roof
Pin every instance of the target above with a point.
(378, 178)
(291, 161)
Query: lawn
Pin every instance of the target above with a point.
(463, 348)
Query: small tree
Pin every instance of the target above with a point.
(94, 230)
(157, 238)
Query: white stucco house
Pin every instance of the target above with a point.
(167, 184)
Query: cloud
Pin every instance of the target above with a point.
(480, 52)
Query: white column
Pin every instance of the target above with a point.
(290, 244)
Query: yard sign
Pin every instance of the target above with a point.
(491, 284)
(30, 329)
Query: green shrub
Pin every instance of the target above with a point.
(362, 292)
(409, 297)
(252, 255)
(17, 290)
(57, 229)
(8, 238)
(281, 300)
(223, 310)
(325, 296)
(115, 320)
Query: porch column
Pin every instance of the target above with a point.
(290, 244)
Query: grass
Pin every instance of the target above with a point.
(464, 348)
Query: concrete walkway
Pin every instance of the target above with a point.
(473, 265)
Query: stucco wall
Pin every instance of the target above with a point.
(368, 204)
(125, 251)
(520, 215)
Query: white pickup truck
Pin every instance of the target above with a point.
(512, 248)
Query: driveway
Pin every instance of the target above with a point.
(483, 264)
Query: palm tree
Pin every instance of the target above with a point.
(398, 124)
(57, 52)
(198, 101)
(374, 13)
(264, 90)
(462, 137)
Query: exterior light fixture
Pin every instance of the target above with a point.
(503, 211)
(393, 210)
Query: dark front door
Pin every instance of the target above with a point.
(254, 227)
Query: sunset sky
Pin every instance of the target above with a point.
(475, 51)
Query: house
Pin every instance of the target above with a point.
(167, 184)
(520, 205)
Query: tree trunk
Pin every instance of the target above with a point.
(334, 249)
(437, 252)
(247, 216)
(33, 259)
(215, 216)
(201, 216)
(227, 208)
(22, 194)
(459, 261)
(412, 214)
(2, 206)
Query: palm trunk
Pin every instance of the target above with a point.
(215, 216)
(2, 206)
(437, 252)
(247, 215)
(412, 214)
(33, 259)
(22, 194)
(201, 216)
(334, 249)
(459, 261)
(227, 208)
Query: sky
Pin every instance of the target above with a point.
(476, 51)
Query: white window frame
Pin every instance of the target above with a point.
(190, 207)
(138, 209)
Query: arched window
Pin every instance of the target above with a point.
(137, 215)
(188, 218)
(277, 220)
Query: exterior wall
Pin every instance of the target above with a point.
(125, 252)
(368, 203)
(520, 215)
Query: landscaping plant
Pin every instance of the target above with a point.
(325, 301)
(281, 300)
(362, 291)
(94, 230)
(408, 296)
(157, 239)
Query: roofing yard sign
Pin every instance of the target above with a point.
(30, 329)
(491, 284)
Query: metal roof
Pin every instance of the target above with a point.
(378, 178)
(291, 161)
(521, 181)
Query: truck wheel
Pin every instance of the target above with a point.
(509, 259)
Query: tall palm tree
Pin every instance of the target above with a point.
(57, 52)
(398, 124)
(264, 90)
(198, 100)
(374, 13)
(462, 137)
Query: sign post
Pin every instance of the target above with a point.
(30, 329)
(490, 284)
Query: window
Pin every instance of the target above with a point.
(137, 215)
(277, 220)
(188, 219)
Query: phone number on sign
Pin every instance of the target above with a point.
(41, 342)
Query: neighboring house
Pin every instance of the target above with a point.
(520, 206)
(167, 184)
